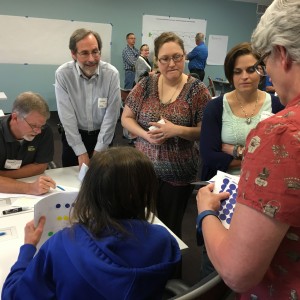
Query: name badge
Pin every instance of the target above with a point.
(102, 102)
(13, 164)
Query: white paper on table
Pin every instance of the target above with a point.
(82, 171)
(226, 183)
(56, 207)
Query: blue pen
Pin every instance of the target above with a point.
(61, 188)
(2, 233)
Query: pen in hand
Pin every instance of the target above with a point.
(61, 188)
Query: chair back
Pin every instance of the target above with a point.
(124, 94)
(210, 287)
(211, 87)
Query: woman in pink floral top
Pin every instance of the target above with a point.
(172, 103)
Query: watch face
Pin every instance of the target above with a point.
(240, 151)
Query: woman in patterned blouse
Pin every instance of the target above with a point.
(165, 112)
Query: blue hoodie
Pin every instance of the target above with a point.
(74, 265)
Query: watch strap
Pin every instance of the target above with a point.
(200, 217)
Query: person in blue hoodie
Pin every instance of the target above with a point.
(111, 251)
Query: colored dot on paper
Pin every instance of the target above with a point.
(59, 218)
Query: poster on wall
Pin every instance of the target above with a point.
(26, 40)
(217, 49)
(186, 28)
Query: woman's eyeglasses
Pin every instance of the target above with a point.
(166, 59)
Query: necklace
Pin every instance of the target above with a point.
(162, 92)
(248, 119)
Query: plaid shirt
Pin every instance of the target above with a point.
(130, 55)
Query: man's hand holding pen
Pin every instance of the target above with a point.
(42, 185)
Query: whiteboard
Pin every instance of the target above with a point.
(26, 40)
(186, 28)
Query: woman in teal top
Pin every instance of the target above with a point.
(228, 119)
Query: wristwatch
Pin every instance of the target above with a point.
(237, 152)
(200, 217)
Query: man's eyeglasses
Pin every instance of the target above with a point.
(86, 54)
(260, 66)
(166, 59)
(35, 128)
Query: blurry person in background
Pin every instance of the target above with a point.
(198, 56)
(142, 65)
(129, 55)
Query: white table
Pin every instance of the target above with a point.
(15, 223)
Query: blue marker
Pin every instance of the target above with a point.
(61, 188)
(2, 233)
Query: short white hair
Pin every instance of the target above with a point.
(280, 25)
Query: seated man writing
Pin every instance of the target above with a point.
(26, 146)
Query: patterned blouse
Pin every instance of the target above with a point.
(176, 160)
(270, 183)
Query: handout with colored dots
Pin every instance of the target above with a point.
(56, 208)
(226, 183)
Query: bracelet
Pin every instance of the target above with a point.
(237, 152)
(200, 217)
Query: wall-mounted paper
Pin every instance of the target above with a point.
(217, 49)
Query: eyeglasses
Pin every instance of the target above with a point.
(35, 127)
(260, 66)
(166, 59)
(86, 54)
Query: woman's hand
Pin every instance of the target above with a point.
(207, 200)
(33, 234)
(162, 132)
(227, 148)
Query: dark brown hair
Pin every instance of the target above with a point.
(119, 184)
(231, 57)
(80, 34)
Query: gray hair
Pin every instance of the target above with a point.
(199, 37)
(28, 102)
(280, 25)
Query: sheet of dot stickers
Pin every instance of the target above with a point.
(56, 207)
(226, 183)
